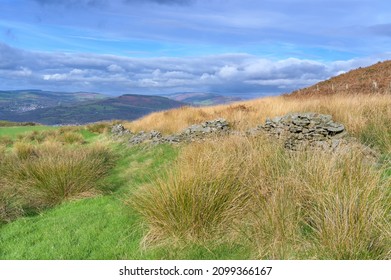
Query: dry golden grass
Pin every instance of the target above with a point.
(359, 113)
(282, 205)
(64, 135)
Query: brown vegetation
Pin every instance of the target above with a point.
(364, 116)
(369, 80)
(282, 205)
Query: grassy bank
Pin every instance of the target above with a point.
(227, 198)
(254, 194)
(278, 204)
(364, 116)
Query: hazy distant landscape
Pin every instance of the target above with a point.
(58, 108)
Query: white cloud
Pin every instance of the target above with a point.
(77, 72)
(115, 68)
(227, 73)
(23, 72)
(55, 77)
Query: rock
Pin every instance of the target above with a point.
(192, 133)
(206, 128)
(335, 128)
(142, 136)
(119, 130)
(172, 139)
(303, 130)
(297, 131)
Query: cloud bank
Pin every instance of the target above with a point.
(232, 74)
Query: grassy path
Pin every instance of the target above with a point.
(103, 227)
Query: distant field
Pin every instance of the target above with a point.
(17, 130)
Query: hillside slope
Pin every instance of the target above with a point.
(125, 107)
(373, 79)
(202, 98)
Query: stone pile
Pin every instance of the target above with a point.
(119, 130)
(192, 133)
(302, 130)
(142, 137)
(215, 126)
(296, 130)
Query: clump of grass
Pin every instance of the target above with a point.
(330, 206)
(377, 130)
(3, 148)
(349, 207)
(24, 150)
(71, 138)
(10, 203)
(35, 136)
(280, 204)
(65, 135)
(202, 196)
(99, 127)
(44, 175)
(6, 140)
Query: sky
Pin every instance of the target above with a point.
(235, 47)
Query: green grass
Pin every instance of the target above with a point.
(36, 177)
(88, 135)
(104, 227)
(96, 228)
(14, 131)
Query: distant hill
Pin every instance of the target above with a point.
(368, 80)
(125, 107)
(27, 100)
(202, 98)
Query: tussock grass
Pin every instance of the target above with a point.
(6, 140)
(35, 177)
(282, 205)
(64, 135)
(101, 127)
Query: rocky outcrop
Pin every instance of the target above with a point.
(119, 130)
(302, 130)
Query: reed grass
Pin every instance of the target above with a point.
(283, 205)
(42, 176)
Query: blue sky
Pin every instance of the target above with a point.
(238, 47)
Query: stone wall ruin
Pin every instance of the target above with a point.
(296, 130)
